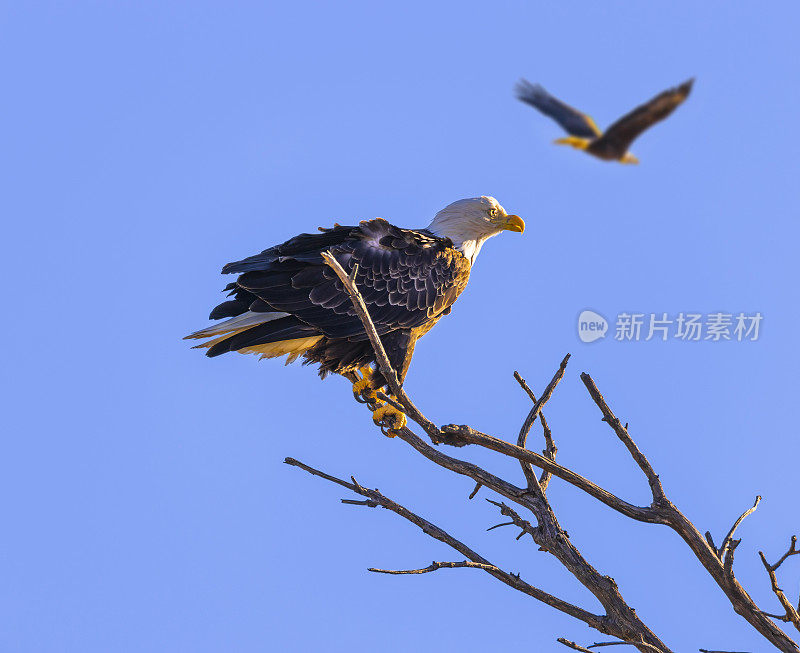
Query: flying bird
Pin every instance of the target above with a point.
(287, 301)
(613, 144)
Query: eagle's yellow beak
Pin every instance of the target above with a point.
(514, 223)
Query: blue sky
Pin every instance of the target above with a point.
(144, 498)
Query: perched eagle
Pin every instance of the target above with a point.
(287, 301)
(613, 144)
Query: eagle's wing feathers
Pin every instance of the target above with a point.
(625, 130)
(302, 248)
(405, 277)
(573, 121)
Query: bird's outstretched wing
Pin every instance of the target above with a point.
(625, 130)
(572, 120)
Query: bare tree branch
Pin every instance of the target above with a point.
(533, 483)
(626, 643)
(435, 566)
(512, 580)
(587, 649)
(620, 620)
(460, 435)
(703, 548)
(792, 614)
(524, 525)
(727, 541)
(573, 645)
(793, 551)
(550, 449)
(478, 486)
(622, 434)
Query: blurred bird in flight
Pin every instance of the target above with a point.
(613, 144)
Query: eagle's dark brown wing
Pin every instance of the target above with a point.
(407, 279)
(624, 131)
(573, 121)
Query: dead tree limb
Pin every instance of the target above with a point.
(619, 620)
(550, 447)
(588, 649)
(791, 614)
(435, 566)
(512, 580)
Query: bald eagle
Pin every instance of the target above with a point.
(287, 302)
(613, 144)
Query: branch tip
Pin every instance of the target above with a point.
(728, 541)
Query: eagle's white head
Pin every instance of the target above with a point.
(469, 222)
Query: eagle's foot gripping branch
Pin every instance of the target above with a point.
(363, 391)
(384, 415)
(389, 419)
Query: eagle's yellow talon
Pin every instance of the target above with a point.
(360, 385)
(389, 418)
(361, 389)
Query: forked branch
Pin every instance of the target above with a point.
(791, 613)
(619, 620)
(478, 561)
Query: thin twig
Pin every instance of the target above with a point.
(588, 649)
(625, 643)
(550, 451)
(524, 385)
(727, 541)
(434, 566)
(710, 540)
(622, 434)
(573, 645)
(537, 406)
(533, 483)
(792, 614)
(364, 502)
(523, 524)
(472, 494)
(792, 551)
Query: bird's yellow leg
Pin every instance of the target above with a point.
(362, 390)
(384, 415)
(389, 419)
(575, 141)
(629, 158)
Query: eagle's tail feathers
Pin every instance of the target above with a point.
(276, 337)
(243, 321)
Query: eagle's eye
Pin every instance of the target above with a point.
(492, 213)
